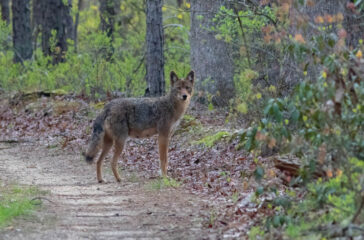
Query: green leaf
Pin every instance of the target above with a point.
(277, 112)
(295, 116)
(259, 173)
(276, 221)
(259, 191)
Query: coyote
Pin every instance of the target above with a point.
(139, 118)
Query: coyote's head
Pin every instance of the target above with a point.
(182, 89)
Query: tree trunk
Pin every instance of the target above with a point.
(22, 36)
(108, 12)
(55, 17)
(68, 20)
(37, 16)
(179, 3)
(77, 20)
(5, 13)
(210, 58)
(154, 52)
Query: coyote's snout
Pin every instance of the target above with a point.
(139, 118)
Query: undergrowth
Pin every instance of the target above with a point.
(164, 182)
(16, 201)
(211, 140)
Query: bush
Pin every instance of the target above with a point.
(321, 122)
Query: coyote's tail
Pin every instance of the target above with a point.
(97, 136)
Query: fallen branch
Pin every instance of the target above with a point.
(10, 141)
(287, 163)
(292, 165)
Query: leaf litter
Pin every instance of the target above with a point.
(221, 173)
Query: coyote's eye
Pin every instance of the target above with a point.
(188, 88)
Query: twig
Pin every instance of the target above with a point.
(79, 6)
(3, 148)
(41, 198)
(173, 25)
(356, 215)
(140, 64)
(244, 37)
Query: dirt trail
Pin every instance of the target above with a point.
(79, 208)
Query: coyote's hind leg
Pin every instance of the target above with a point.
(107, 144)
(119, 146)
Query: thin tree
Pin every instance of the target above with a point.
(5, 13)
(22, 36)
(154, 49)
(109, 10)
(77, 20)
(211, 58)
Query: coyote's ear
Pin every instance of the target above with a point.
(191, 76)
(174, 78)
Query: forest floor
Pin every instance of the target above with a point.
(212, 194)
(76, 207)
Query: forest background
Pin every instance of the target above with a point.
(288, 74)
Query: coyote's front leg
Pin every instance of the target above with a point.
(163, 141)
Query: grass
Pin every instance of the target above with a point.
(132, 177)
(16, 201)
(164, 182)
(210, 140)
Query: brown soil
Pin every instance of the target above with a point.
(76, 207)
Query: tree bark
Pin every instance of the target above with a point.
(179, 3)
(55, 16)
(68, 20)
(5, 12)
(154, 48)
(211, 58)
(36, 22)
(108, 12)
(22, 36)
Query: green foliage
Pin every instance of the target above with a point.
(15, 201)
(247, 139)
(177, 47)
(5, 32)
(321, 123)
(229, 29)
(244, 39)
(87, 71)
(165, 182)
(328, 202)
(243, 83)
(210, 141)
(256, 232)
